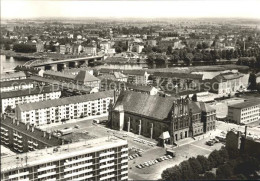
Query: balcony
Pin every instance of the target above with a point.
(79, 160)
(107, 153)
(77, 173)
(124, 172)
(124, 166)
(107, 177)
(124, 149)
(106, 165)
(106, 159)
(124, 178)
(46, 174)
(46, 168)
(124, 155)
(18, 175)
(77, 167)
(106, 171)
(84, 178)
(124, 161)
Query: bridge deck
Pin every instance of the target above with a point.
(66, 60)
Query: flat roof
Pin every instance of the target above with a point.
(6, 152)
(27, 92)
(17, 82)
(65, 101)
(64, 151)
(246, 104)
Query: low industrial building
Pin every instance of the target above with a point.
(12, 76)
(74, 107)
(98, 159)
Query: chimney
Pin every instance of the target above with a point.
(32, 128)
(245, 131)
(44, 133)
(49, 136)
(13, 120)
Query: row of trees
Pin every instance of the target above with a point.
(189, 56)
(249, 61)
(24, 48)
(237, 168)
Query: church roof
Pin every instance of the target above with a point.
(155, 107)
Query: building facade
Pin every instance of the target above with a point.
(51, 111)
(98, 159)
(15, 98)
(15, 85)
(136, 76)
(151, 116)
(245, 112)
(21, 137)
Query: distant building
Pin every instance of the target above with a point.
(21, 137)
(113, 75)
(142, 89)
(51, 111)
(136, 76)
(97, 159)
(151, 43)
(12, 76)
(245, 112)
(62, 49)
(15, 98)
(227, 83)
(14, 85)
(152, 116)
(39, 46)
(258, 78)
(85, 78)
(91, 50)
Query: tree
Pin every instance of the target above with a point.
(209, 176)
(199, 46)
(195, 165)
(224, 171)
(8, 109)
(205, 45)
(203, 162)
(173, 173)
(252, 82)
(186, 170)
(188, 58)
(214, 159)
(223, 154)
(248, 166)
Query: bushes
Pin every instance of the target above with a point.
(24, 48)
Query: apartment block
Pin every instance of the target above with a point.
(14, 85)
(14, 98)
(74, 107)
(245, 112)
(98, 159)
(21, 137)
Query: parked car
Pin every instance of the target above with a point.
(76, 126)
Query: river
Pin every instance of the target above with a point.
(8, 63)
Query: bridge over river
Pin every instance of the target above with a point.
(59, 65)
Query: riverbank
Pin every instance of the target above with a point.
(36, 55)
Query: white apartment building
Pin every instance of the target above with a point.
(13, 85)
(245, 112)
(98, 159)
(67, 108)
(14, 98)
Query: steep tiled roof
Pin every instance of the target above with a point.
(65, 101)
(84, 76)
(227, 76)
(205, 107)
(145, 105)
(59, 74)
(139, 87)
(194, 107)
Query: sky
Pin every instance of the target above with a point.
(136, 8)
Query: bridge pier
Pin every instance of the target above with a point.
(61, 66)
(73, 64)
(54, 67)
(47, 67)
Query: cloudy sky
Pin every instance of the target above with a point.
(137, 8)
